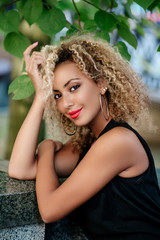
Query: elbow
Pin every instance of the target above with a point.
(15, 174)
(49, 217)
(21, 173)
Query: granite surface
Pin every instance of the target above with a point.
(26, 232)
(18, 204)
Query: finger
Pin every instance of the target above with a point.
(28, 51)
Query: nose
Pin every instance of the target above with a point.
(67, 101)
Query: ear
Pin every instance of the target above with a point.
(102, 86)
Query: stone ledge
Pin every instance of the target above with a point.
(26, 232)
(18, 204)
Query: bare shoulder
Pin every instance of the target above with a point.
(123, 146)
(115, 139)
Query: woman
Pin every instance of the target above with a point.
(111, 182)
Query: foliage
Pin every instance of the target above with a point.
(107, 19)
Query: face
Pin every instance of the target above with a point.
(77, 96)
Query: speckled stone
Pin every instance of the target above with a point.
(18, 204)
(27, 232)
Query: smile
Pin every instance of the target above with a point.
(76, 113)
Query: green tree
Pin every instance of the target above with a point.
(111, 20)
(101, 17)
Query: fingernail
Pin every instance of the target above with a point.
(35, 43)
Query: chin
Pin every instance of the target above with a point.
(80, 123)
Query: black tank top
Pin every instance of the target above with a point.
(126, 208)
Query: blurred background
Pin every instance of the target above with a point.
(145, 60)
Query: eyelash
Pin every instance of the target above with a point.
(57, 96)
(75, 87)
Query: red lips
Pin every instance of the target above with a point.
(76, 113)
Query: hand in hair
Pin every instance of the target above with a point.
(33, 64)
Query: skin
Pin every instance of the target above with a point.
(108, 156)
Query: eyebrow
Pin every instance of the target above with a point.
(67, 83)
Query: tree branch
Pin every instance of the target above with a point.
(8, 4)
(78, 13)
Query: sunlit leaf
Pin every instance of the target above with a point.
(123, 50)
(105, 21)
(72, 30)
(32, 10)
(126, 34)
(90, 25)
(52, 21)
(16, 43)
(103, 35)
(10, 21)
(21, 87)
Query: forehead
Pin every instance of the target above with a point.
(66, 71)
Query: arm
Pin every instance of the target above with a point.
(22, 163)
(98, 167)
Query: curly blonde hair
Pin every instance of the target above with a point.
(127, 96)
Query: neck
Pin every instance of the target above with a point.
(99, 125)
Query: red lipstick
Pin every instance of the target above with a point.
(76, 113)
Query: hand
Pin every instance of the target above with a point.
(32, 67)
(49, 145)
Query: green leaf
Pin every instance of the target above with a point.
(121, 19)
(32, 10)
(103, 35)
(144, 3)
(10, 21)
(22, 87)
(154, 5)
(16, 43)
(90, 25)
(158, 49)
(20, 5)
(72, 30)
(105, 21)
(140, 30)
(52, 21)
(110, 4)
(123, 50)
(126, 34)
(52, 3)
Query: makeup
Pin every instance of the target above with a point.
(76, 113)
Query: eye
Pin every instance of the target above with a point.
(73, 88)
(57, 96)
